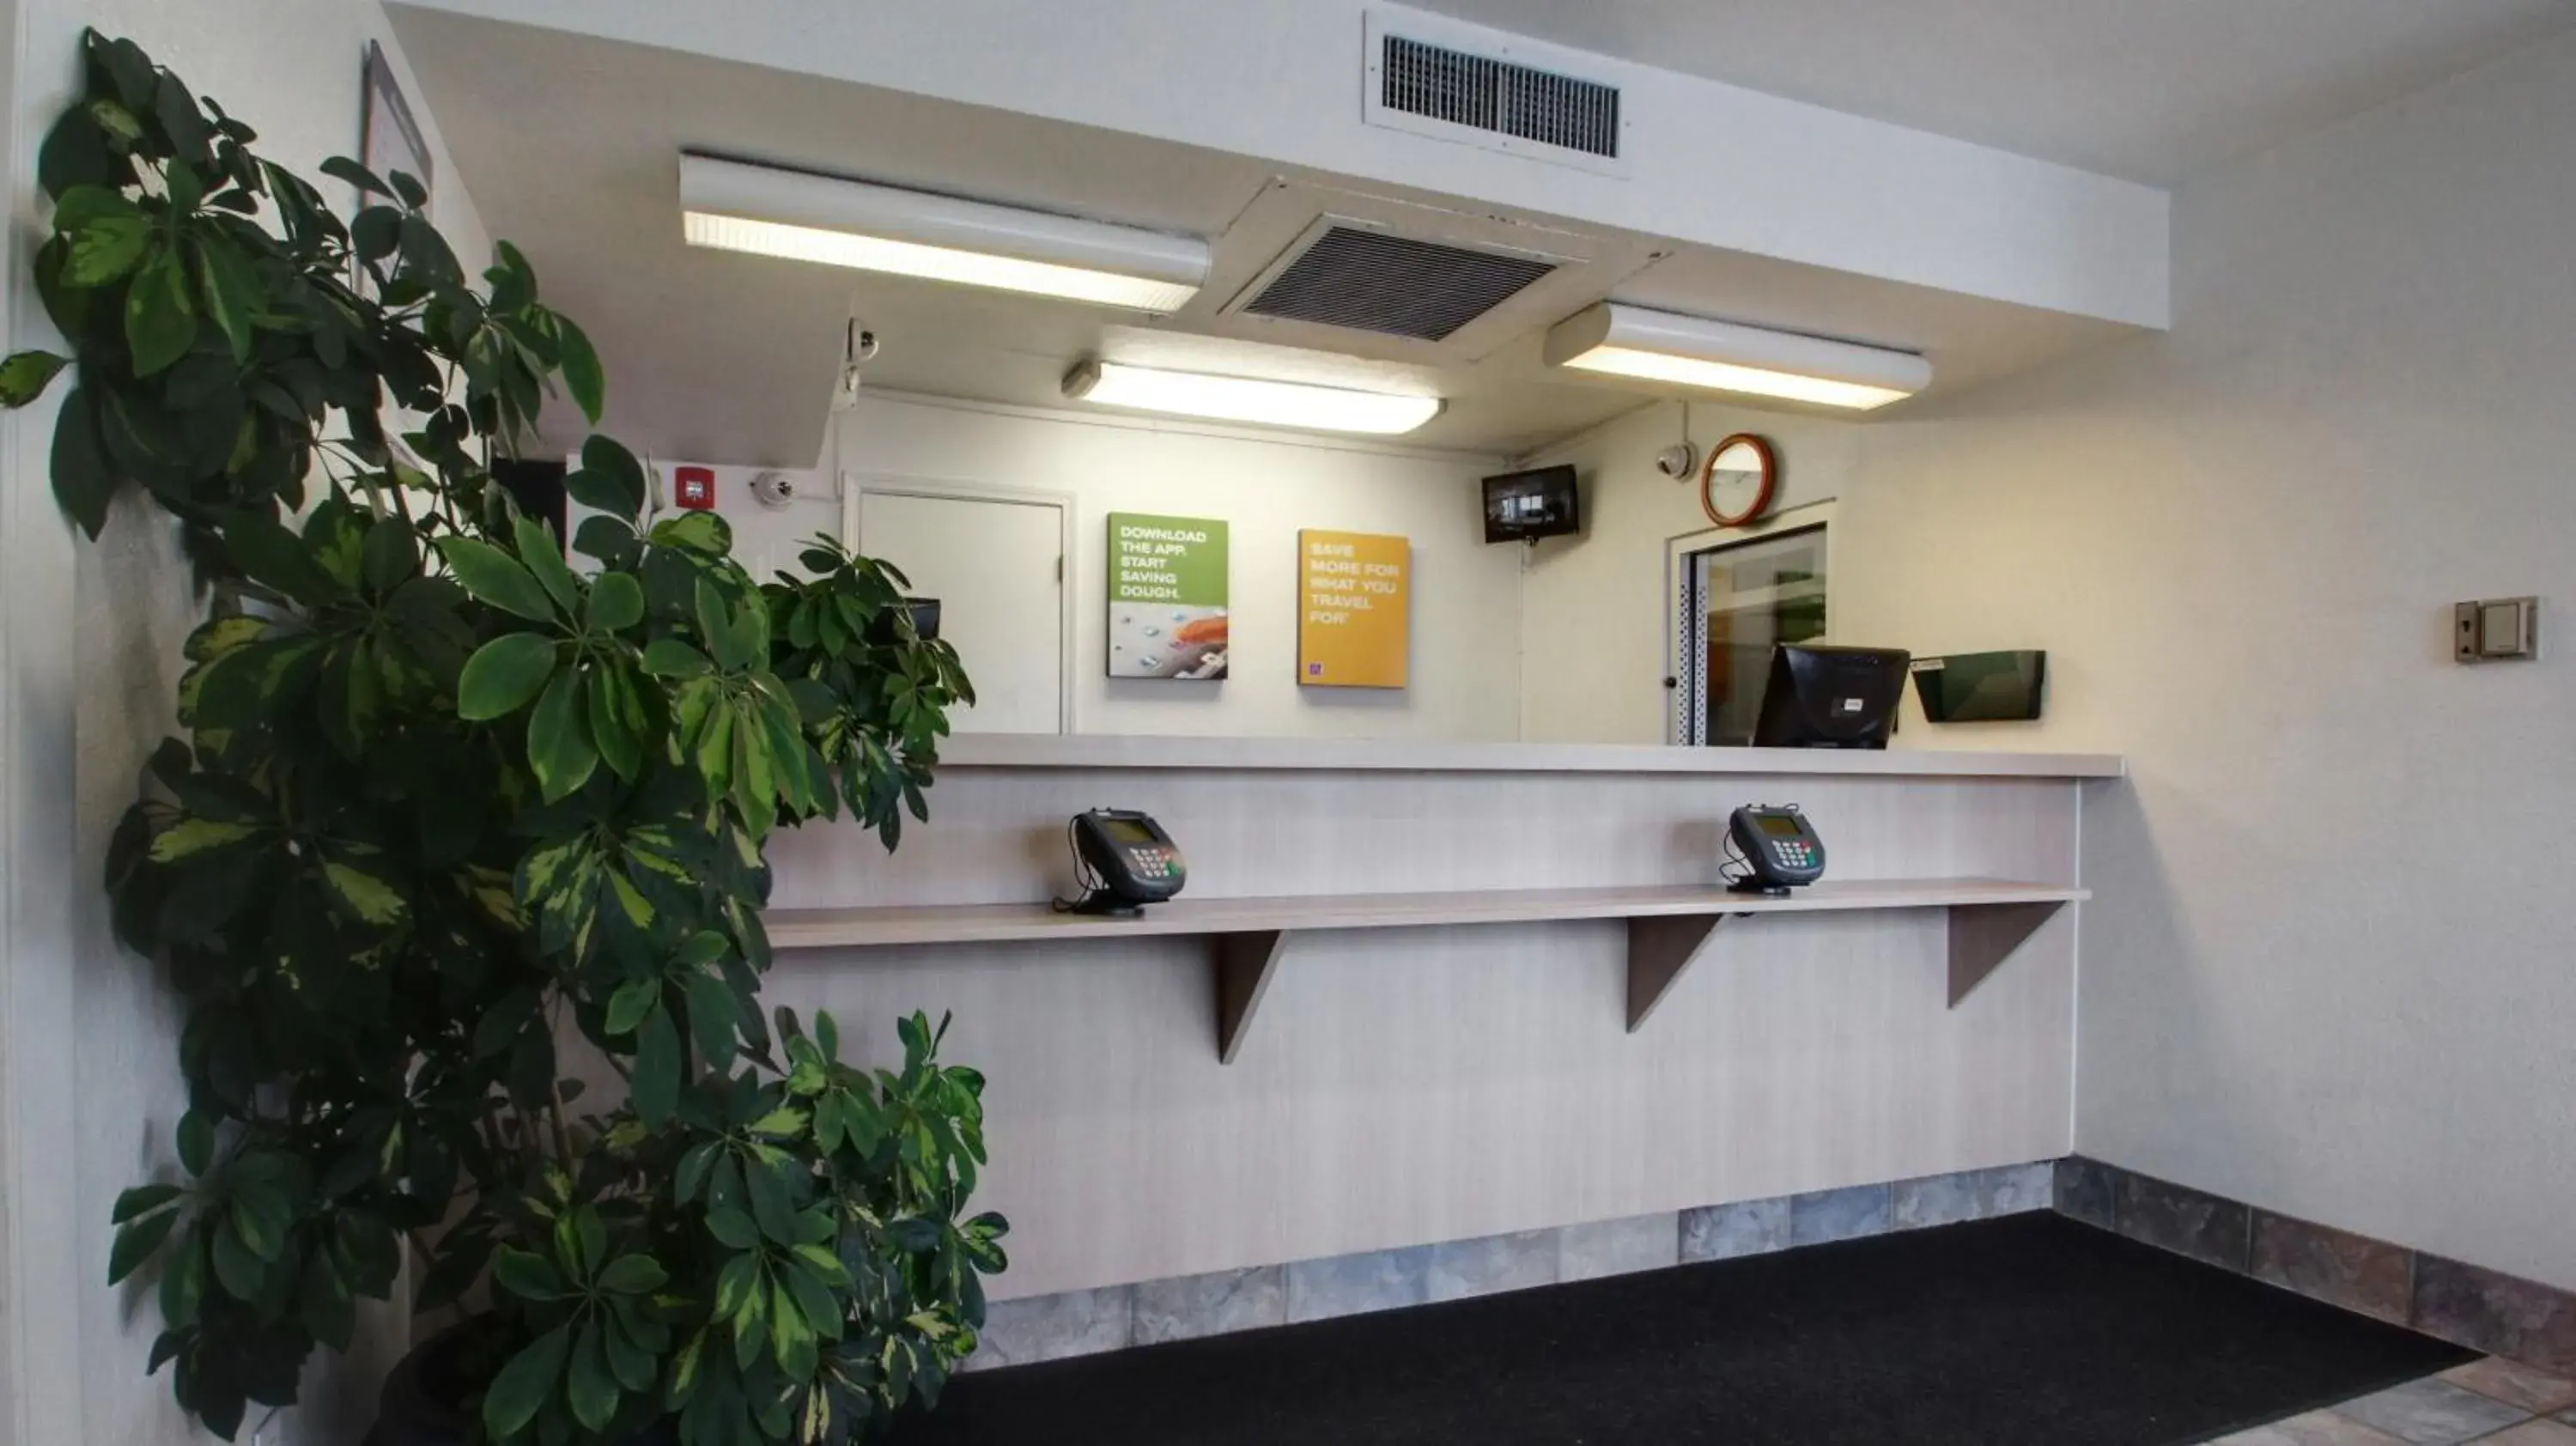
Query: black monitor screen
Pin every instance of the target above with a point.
(1523, 505)
(1821, 697)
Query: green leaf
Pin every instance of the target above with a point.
(526, 1274)
(136, 1244)
(503, 675)
(495, 577)
(672, 658)
(24, 377)
(628, 1006)
(342, 168)
(544, 558)
(732, 1227)
(183, 1282)
(825, 1265)
(559, 746)
(717, 631)
(523, 1385)
(620, 478)
(392, 554)
(738, 1284)
(712, 1018)
(587, 1384)
(231, 291)
(814, 1301)
(657, 1068)
(770, 1207)
(143, 1200)
(692, 1173)
(606, 694)
(275, 557)
(616, 603)
(633, 1275)
(192, 836)
(611, 541)
(196, 1142)
(237, 1269)
(785, 1122)
(160, 319)
(789, 1331)
(582, 376)
(107, 231)
(369, 897)
(85, 477)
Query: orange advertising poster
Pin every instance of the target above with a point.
(1354, 610)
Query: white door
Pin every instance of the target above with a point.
(996, 565)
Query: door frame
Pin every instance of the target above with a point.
(1680, 596)
(856, 487)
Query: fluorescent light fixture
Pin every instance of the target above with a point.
(1243, 399)
(1722, 356)
(771, 212)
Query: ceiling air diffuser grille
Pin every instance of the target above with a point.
(1393, 285)
(1496, 95)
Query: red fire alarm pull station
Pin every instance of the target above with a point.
(696, 488)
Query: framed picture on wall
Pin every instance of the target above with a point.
(1168, 615)
(389, 140)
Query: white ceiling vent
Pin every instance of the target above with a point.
(1487, 88)
(1347, 274)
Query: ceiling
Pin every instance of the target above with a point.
(2150, 90)
(569, 146)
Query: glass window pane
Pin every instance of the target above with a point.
(1752, 596)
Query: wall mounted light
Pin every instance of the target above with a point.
(734, 206)
(1245, 399)
(1724, 356)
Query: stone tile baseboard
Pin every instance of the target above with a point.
(2467, 1305)
(2484, 1310)
(1082, 1322)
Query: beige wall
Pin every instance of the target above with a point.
(2327, 966)
(89, 1060)
(1595, 644)
(1466, 604)
(2325, 970)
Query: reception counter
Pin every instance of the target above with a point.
(1427, 992)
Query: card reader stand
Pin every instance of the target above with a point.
(1102, 904)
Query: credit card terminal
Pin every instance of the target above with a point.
(1127, 861)
(1779, 848)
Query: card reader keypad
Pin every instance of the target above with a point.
(1153, 862)
(1794, 855)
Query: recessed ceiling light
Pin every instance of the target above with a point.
(1245, 399)
(1723, 356)
(771, 212)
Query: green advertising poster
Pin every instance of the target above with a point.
(1167, 582)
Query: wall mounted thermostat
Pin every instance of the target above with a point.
(2497, 630)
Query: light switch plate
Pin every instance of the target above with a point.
(2496, 630)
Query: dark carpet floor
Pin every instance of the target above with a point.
(2028, 1331)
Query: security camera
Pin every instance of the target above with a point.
(773, 489)
(1675, 461)
(863, 347)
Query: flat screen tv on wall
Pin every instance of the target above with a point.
(1526, 506)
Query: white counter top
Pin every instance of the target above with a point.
(1128, 751)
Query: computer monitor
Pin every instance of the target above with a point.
(1821, 697)
(1526, 506)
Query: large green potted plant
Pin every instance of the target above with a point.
(457, 822)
